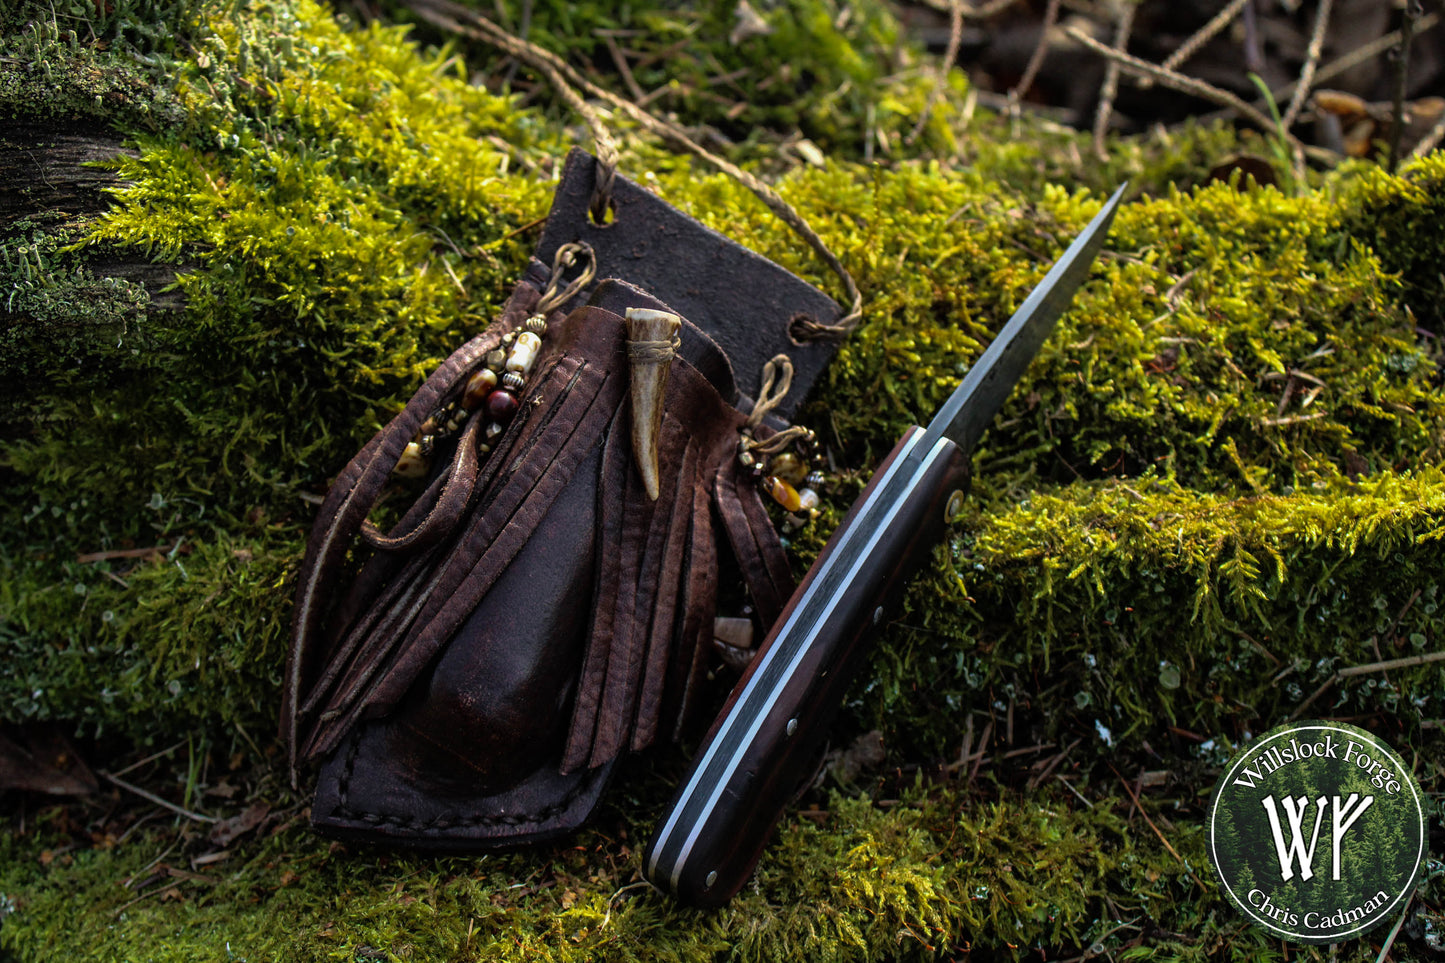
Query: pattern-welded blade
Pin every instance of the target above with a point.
(978, 398)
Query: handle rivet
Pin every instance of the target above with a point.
(955, 505)
(711, 878)
(792, 726)
(878, 615)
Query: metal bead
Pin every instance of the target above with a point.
(537, 324)
(496, 359)
(815, 479)
(747, 460)
(493, 430)
(514, 381)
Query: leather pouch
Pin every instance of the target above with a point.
(470, 678)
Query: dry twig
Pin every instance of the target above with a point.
(1110, 88)
(1200, 37)
(567, 81)
(1402, 663)
(1172, 851)
(1312, 59)
(1188, 85)
(152, 797)
(1413, 12)
(1431, 140)
(950, 56)
(989, 10)
(1358, 56)
(1036, 60)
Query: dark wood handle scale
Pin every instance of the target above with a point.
(768, 735)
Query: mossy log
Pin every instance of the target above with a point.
(235, 236)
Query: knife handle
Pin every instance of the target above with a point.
(767, 737)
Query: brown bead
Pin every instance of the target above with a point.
(783, 493)
(734, 631)
(502, 406)
(478, 387)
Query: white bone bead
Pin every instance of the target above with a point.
(524, 353)
(412, 464)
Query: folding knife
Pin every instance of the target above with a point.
(768, 734)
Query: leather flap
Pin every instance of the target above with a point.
(743, 301)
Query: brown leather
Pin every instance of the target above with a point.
(746, 303)
(533, 615)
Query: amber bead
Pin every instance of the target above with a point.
(790, 468)
(783, 493)
(478, 387)
(501, 406)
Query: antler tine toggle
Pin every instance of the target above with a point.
(652, 340)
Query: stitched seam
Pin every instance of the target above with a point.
(445, 821)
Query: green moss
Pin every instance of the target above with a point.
(331, 206)
(1143, 610)
(838, 77)
(1219, 484)
(180, 640)
(1399, 216)
(1220, 316)
(930, 875)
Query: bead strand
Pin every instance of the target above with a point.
(497, 384)
(786, 476)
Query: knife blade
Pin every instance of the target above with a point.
(767, 736)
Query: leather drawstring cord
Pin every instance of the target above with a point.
(653, 352)
(777, 379)
(565, 258)
(462, 472)
(567, 81)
